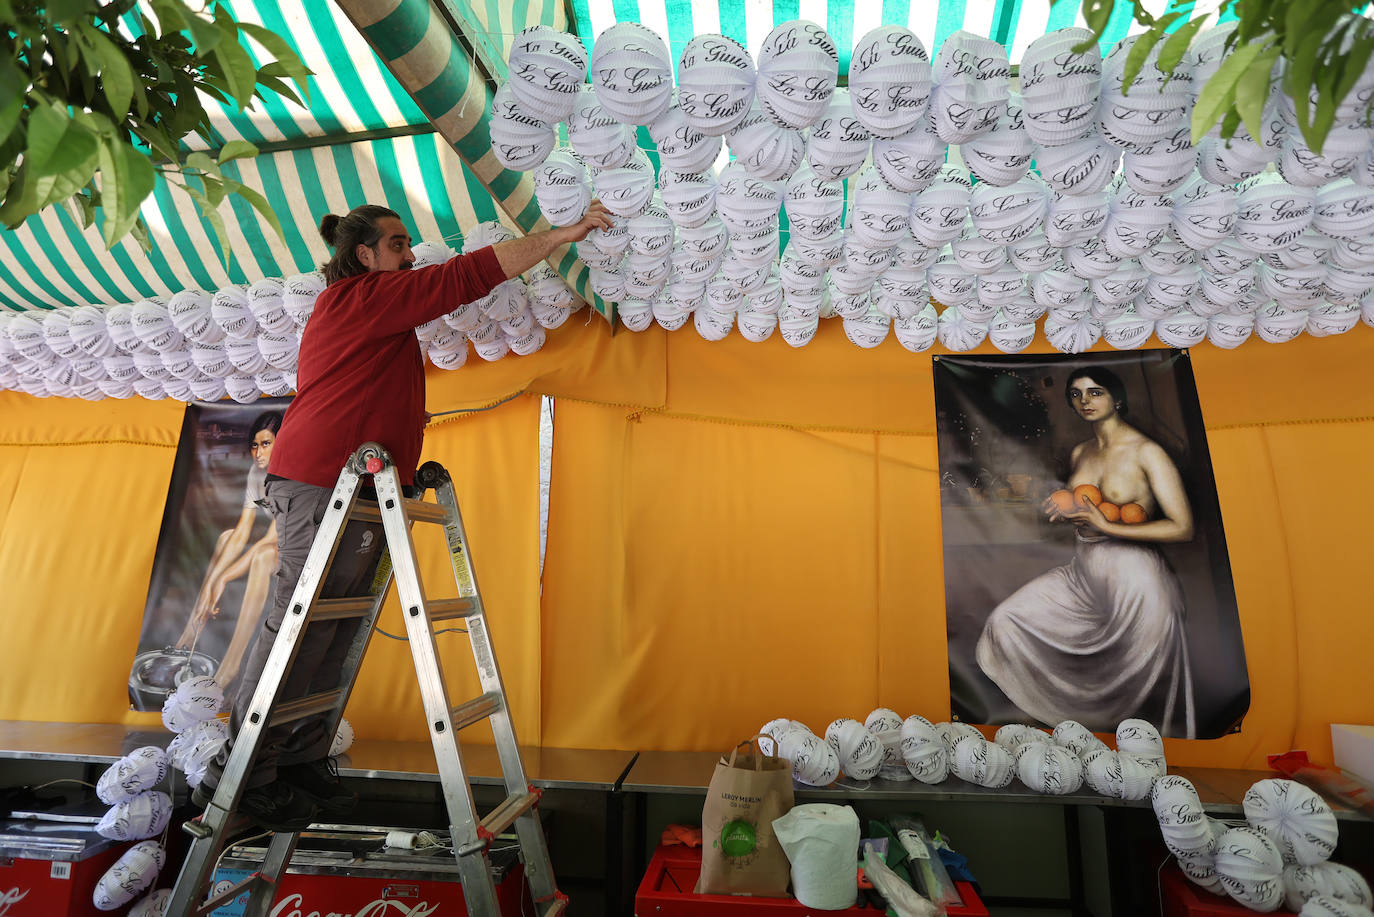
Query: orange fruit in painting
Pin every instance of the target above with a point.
(1087, 493)
(1063, 501)
(1110, 511)
(1133, 514)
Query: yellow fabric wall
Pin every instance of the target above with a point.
(737, 532)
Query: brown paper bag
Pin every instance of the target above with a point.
(740, 854)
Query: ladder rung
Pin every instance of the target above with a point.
(559, 906)
(229, 894)
(305, 706)
(447, 609)
(339, 609)
(416, 511)
(475, 710)
(511, 808)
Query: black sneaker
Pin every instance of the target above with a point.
(278, 807)
(318, 781)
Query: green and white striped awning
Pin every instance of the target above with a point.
(364, 138)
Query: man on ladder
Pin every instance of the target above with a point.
(360, 378)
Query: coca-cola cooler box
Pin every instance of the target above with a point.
(50, 868)
(351, 872)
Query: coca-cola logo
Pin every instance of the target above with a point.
(11, 897)
(292, 906)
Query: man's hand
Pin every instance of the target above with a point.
(596, 217)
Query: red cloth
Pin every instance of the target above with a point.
(361, 375)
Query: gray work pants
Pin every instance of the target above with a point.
(298, 509)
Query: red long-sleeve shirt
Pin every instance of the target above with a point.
(361, 375)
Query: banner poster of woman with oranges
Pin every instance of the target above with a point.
(1086, 571)
(216, 552)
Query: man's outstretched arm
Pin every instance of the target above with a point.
(519, 255)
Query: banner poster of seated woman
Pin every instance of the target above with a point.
(1086, 571)
(213, 571)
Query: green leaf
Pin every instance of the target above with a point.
(264, 210)
(1252, 90)
(277, 86)
(1096, 13)
(56, 143)
(60, 12)
(69, 182)
(1355, 63)
(1220, 91)
(237, 149)
(202, 162)
(12, 86)
(217, 188)
(1299, 77)
(1177, 45)
(236, 66)
(286, 58)
(216, 222)
(126, 178)
(21, 198)
(206, 35)
(115, 73)
(1135, 58)
(140, 233)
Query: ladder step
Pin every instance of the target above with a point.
(475, 710)
(343, 608)
(504, 815)
(229, 894)
(305, 706)
(416, 511)
(559, 906)
(447, 609)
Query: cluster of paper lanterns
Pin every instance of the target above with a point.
(1124, 229)
(242, 342)
(1279, 857)
(890, 747)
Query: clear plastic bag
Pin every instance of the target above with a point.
(928, 873)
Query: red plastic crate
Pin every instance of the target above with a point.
(49, 888)
(666, 891)
(1182, 898)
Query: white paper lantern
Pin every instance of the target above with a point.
(1006, 215)
(706, 241)
(797, 69)
(911, 161)
(547, 68)
(1327, 906)
(153, 326)
(265, 302)
(1332, 880)
(1047, 768)
(815, 206)
(938, 212)
(632, 73)
(715, 83)
(626, 191)
(978, 761)
(1295, 818)
(519, 140)
(1345, 143)
(133, 872)
(138, 771)
(1081, 166)
(1059, 87)
(1002, 155)
(859, 751)
(298, 297)
(139, 817)
(562, 189)
(1161, 167)
(744, 202)
(682, 147)
(229, 309)
(971, 75)
(1153, 107)
(881, 215)
(597, 136)
(1075, 218)
(796, 327)
(889, 80)
(154, 904)
(1250, 868)
(839, 142)
(1271, 214)
(769, 152)
(814, 762)
(958, 333)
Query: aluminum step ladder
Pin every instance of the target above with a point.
(471, 835)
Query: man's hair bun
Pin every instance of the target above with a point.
(329, 227)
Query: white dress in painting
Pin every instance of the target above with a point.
(1097, 640)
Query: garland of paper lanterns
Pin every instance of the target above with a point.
(1279, 857)
(140, 812)
(1124, 229)
(242, 341)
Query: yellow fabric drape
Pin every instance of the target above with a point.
(736, 532)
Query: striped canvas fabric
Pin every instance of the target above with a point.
(366, 135)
